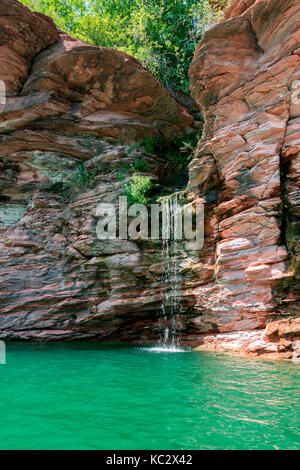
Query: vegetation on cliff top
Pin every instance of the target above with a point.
(162, 34)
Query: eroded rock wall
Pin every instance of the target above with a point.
(72, 112)
(245, 78)
(74, 109)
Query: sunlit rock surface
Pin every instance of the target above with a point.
(72, 112)
(245, 77)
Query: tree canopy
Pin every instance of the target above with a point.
(162, 34)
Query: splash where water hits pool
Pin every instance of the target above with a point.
(113, 396)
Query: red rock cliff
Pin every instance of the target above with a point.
(72, 111)
(245, 77)
(74, 108)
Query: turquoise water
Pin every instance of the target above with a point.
(93, 396)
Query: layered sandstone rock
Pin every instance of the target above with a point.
(22, 36)
(72, 111)
(53, 80)
(245, 77)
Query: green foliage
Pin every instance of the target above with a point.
(181, 149)
(149, 144)
(137, 189)
(162, 34)
(121, 176)
(140, 165)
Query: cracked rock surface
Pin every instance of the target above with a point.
(76, 108)
(73, 114)
(245, 77)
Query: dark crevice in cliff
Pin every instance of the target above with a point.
(30, 69)
(287, 237)
(284, 167)
(287, 217)
(289, 285)
(217, 170)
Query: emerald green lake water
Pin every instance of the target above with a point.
(95, 396)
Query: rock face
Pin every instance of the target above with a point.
(67, 134)
(22, 36)
(245, 76)
(73, 110)
(61, 81)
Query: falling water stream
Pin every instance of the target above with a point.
(170, 293)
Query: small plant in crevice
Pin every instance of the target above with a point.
(81, 181)
(174, 156)
(137, 189)
(180, 149)
(120, 175)
(140, 165)
(149, 144)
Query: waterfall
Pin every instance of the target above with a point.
(171, 279)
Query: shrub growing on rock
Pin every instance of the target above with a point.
(137, 189)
